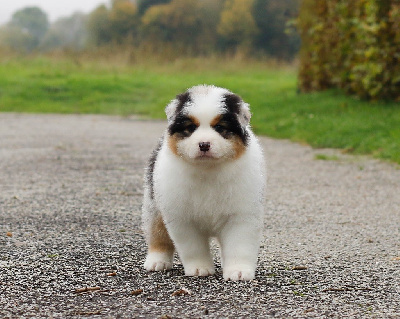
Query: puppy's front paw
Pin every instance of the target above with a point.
(239, 273)
(199, 270)
(157, 262)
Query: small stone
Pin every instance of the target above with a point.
(86, 289)
(299, 268)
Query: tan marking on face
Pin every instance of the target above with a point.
(159, 237)
(194, 120)
(238, 147)
(173, 144)
(174, 139)
(237, 144)
(215, 120)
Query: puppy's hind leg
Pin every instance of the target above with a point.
(160, 246)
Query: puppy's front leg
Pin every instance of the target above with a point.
(161, 248)
(193, 249)
(240, 241)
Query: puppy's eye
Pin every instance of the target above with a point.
(190, 128)
(183, 126)
(220, 127)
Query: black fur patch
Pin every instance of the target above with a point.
(150, 168)
(229, 125)
(232, 103)
(182, 100)
(183, 126)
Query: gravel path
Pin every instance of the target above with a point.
(70, 196)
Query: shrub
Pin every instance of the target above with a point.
(354, 45)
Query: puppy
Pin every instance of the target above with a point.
(205, 179)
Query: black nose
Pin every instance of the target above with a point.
(204, 146)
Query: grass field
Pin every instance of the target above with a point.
(110, 86)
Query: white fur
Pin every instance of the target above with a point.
(216, 196)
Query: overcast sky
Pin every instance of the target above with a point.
(54, 8)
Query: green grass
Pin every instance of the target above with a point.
(324, 119)
(324, 157)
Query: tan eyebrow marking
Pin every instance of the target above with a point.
(216, 120)
(194, 120)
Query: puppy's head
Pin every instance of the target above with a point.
(208, 124)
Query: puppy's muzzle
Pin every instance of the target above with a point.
(204, 146)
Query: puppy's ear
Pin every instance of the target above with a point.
(235, 104)
(170, 110)
(244, 114)
(175, 106)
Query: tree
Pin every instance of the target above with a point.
(98, 26)
(179, 22)
(143, 5)
(32, 20)
(272, 18)
(123, 21)
(67, 32)
(16, 39)
(26, 29)
(117, 25)
(210, 12)
(237, 26)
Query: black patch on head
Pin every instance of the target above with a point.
(183, 126)
(150, 168)
(232, 103)
(182, 100)
(229, 126)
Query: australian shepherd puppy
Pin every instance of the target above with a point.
(205, 179)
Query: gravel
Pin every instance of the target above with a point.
(71, 244)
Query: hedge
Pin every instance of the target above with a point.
(351, 44)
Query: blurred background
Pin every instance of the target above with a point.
(195, 27)
(320, 72)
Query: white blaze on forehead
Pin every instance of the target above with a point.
(206, 102)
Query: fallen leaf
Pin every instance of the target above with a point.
(136, 292)
(9, 234)
(181, 292)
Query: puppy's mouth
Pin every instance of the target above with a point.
(205, 156)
